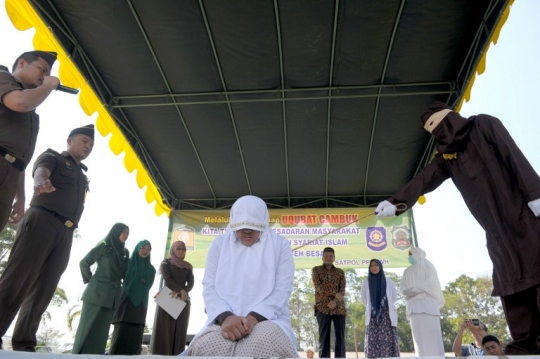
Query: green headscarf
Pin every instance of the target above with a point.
(139, 277)
(120, 253)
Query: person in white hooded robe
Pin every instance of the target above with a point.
(422, 290)
(247, 283)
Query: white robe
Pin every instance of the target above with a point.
(258, 278)
(251, 290)
(427, 334)
(424, 315)
(422, 290)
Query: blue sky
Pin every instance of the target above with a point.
(446, 230)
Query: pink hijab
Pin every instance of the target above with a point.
(175, 261)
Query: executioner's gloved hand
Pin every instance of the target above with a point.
(535, 207)
(385, 209)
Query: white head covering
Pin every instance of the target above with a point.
(423, 275)
(310, 349)
(245, 276)
(249, 212)
(257, 278)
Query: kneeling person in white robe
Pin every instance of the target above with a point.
(247, 284)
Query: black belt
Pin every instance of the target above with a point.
(66, 222)
(15, 162)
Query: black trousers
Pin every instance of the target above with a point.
(522, 311)
(325, 323)
(9, 176)
(127, 339)
(39, 256)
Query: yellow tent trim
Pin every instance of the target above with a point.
(24, 17)
(481, 67)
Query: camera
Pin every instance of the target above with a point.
(475, 322)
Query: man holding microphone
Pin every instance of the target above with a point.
(21, 91)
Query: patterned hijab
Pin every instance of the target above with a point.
(120, 253)
(377, 289)
(177, 261)
(139, 277)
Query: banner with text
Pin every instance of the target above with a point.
(356, 235)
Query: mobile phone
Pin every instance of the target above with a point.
(475, 322)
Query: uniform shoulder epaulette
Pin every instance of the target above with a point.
(50, 151)
(104, 247)
(4, 70)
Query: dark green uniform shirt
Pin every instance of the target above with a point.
(104, 286)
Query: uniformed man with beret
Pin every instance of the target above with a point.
(21, 91)
(40, 253)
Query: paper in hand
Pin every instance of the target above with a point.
(173, 306)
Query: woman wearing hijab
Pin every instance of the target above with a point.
(102, 294)
(379, 296)
(130, 315)
(170, 334)
(247, 284)
(422, 290)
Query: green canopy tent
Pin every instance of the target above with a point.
(302, 103)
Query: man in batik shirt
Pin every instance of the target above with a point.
(329, 283)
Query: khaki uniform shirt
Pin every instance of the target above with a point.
(70, 182)
(18, 130)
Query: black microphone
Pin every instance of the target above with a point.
(66, 89)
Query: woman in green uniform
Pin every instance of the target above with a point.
(102, 294)
(130, 315)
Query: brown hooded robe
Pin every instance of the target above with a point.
(496, 182)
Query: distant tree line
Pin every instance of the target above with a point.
(466, 297)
